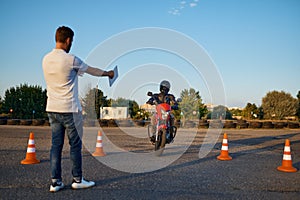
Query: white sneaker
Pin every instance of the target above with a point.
(54, 187)
(82, 184)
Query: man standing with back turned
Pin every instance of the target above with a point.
(61, 72)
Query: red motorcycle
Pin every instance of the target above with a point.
(165, 131)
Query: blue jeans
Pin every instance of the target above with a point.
(72, 124)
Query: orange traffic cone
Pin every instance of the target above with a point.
(99, 147)
(224, 150)
(30, 155)
(287, 165)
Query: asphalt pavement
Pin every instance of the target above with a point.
(187, 169)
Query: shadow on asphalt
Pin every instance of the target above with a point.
(242, 142)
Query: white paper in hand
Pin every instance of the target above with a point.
(112, 80)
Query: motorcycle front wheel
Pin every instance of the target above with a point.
(160, 143)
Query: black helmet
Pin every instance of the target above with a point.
(164, 87)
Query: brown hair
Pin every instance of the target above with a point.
(62, 33)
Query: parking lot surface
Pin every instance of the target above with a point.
(187, 169)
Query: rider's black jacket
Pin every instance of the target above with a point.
(162, 98)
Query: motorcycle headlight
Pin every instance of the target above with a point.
(164, 114)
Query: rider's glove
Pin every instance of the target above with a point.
(174, 107)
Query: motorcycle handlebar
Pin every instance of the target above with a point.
(167, 100)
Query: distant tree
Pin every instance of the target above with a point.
(298, 109)
(93, 101)
(278, 105)
(236, 112)
(191, 105)
(1, 105)
(25, 102)
(133, 106)
(141, 114)
(250, 111)
(220, 112)
(120, 102)
(260, 113)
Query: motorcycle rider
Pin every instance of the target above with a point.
(163, 97)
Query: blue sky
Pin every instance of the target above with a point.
(254, 44)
